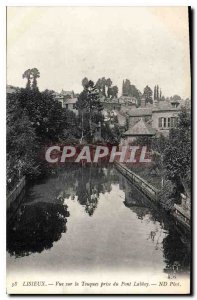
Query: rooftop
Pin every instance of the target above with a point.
(164, 106)
(124, 99)
(140, 112)
(140, 128)
(71, 101)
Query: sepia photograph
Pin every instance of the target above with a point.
(98, 150)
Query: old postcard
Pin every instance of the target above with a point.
(98, 150)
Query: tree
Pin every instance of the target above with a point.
(155, 93)
(22, 143)
(99, 84)
(176, 98)
(148, 94)
(35, 74)
(31, 74)
(123, 88)
(160, 94)
(126, 87)
(177, 155)
(167, 195)
(108, 84)
(89, 107)
(103, 84)
(27, 75)
(114, 91)
(85, 82)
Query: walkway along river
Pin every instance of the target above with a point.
(91, 218)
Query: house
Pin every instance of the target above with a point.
(71, 104)
(162, 116)
(110, 103)
(140, 129)
(165, 116)
(128, 102)
(135, 115)
(68, 100)
(67, 94)
(58, 97)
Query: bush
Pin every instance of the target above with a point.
(166, 195)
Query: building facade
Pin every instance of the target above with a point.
(68, 100)
(165, 117)
(162, 116)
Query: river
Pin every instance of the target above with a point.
(92, 219)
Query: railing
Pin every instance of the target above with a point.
(16, 191)
(181, 215)
(152, 193)
(145, 187)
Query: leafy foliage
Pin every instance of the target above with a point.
(148, 94)
(90, 108)
(34, 120)
(177, 155)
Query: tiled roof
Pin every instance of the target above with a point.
(165, 106)
(140, 112)
(71, 101)
(140, 128)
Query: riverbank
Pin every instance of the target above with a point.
(179, 214)
(109, 220)
(148, 174)
(146, 188)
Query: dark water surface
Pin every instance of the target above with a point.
(92, 218)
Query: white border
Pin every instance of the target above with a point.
(3, 4)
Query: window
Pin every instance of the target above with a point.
(74, 106)
(169, 123)
(164, 122)
(67, 106)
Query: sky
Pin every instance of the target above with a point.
(147, 45)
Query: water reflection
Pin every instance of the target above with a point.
(41, 220)
(36, 227)
(91, 183)
(176, 243)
